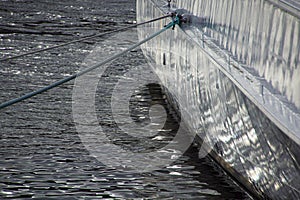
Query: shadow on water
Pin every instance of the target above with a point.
(139, 108)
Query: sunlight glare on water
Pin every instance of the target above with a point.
(41, 153)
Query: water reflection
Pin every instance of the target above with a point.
(41, 154)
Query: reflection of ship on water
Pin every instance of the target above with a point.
(235, 75)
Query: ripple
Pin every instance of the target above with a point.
(41, 154)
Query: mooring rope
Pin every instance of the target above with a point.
(175, 20)
(84, 38)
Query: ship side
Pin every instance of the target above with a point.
(232, 71)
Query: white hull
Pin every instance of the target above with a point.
(236, 83)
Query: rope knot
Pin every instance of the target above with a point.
(176, 19)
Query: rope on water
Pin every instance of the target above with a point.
(84, 38)
(175, 21)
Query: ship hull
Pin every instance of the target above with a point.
(248, 121)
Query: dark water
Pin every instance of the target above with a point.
(41, 153)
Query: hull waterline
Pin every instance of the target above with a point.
(233, 72)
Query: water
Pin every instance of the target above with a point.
(42, 154)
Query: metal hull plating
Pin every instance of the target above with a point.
(234, 74)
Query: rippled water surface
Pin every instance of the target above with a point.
(41, 153)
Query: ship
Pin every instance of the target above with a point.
(232, 70)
